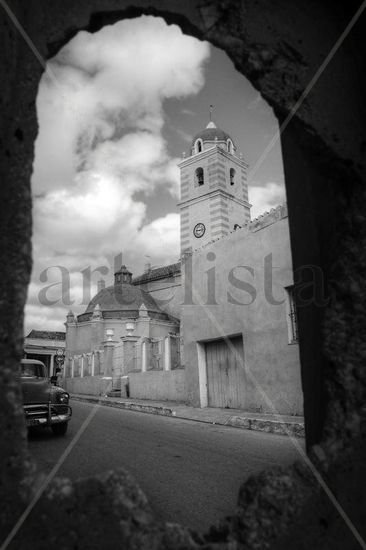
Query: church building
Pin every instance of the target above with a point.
(122, 330)
(217, 328)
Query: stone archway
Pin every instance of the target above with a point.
(279, 49)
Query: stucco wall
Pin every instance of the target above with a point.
(166, 385)
(273, 363)
(159, 330)
(80, 339)
(88, 385)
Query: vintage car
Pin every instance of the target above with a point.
(44, 404)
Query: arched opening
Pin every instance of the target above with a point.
(232, 176)
(310, 149)
(199, 146)
(199, 178)
(121, 160)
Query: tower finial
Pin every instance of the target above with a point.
(211, 124)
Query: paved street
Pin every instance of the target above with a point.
(190, 471)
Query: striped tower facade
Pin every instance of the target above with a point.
(214, 190)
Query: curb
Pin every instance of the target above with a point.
(150, 409)
(291, 429)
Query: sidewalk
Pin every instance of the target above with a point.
(270, 423)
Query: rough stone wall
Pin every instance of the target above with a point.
(76, 510)
(18, 132)
(279, 46)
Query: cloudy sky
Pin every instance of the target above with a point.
(116, 109)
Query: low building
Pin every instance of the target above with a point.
(46, 346)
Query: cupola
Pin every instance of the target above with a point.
(210, 136)
(122, 276)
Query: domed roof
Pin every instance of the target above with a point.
(123, 298)
(210, 133)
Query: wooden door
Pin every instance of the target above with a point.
(225, 373)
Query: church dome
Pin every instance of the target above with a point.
(122, 300)
(211, 134)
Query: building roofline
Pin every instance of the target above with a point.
(157, 273)
(47, 335)
(261, 222)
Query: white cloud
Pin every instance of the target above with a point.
(38, 317)
(100, 142)
(162, 236)
(265, 197)
(87, 217)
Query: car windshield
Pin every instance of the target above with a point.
(32, 370)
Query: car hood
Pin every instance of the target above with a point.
(35, 390)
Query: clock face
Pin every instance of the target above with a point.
(199, 230)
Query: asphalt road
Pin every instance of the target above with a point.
(190, 471)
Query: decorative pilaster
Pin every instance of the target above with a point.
(93, 364)
(144, 355)
(97, 327)
(52, 359)
(108, 344)
(167, 353)
(143, 322)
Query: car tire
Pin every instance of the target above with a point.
(59, 429)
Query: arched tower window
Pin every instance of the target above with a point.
(230, 146)
(198, 146)
(232, 176)
(199, 177)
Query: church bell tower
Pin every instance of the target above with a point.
(214, 189)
